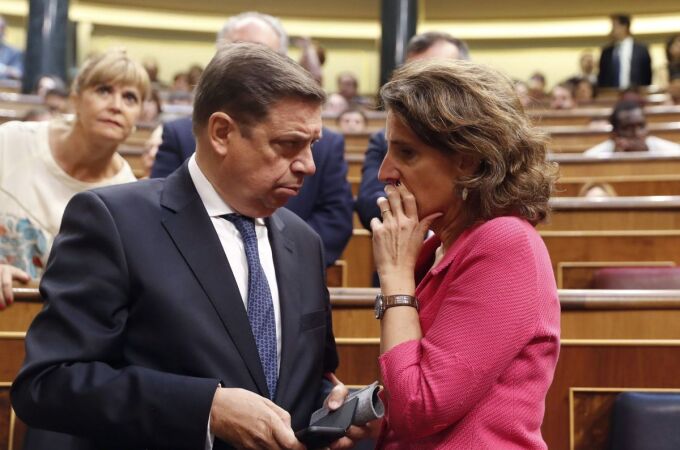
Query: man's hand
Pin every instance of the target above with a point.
(335, 399)
(246, 420)
(7, 275)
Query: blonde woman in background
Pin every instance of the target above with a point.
(43, 164)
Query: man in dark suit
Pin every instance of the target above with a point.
(325, 201)
(192, 308)
(421, 46)
(625, 62)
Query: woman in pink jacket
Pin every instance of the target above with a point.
(470, 318)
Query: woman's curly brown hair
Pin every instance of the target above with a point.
(465, 107)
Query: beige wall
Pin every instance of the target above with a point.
(178, 39)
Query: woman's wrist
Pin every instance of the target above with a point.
(397, 285)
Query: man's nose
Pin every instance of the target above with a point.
(304, 163)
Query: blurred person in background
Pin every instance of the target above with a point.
(562, 96)
(313, 57)
(56, 101)
(522, 91)
(348, 87)
(586, 64)
(43, 164)
(11, 59)
(194, 74)
(46, 83)
(584, 91)
(536, 85)
(335, 104)
(352, 121)
(625, 62)
(630, 134)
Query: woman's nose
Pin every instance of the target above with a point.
(388, 172)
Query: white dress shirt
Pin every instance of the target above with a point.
(625, 49)
(655, 145)
(232, 244)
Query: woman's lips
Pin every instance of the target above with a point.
(111, 122)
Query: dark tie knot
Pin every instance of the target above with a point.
(245, 225)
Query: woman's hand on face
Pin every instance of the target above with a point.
(397, 239)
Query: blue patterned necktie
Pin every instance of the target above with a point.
(260, 305)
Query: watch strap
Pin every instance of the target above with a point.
(399, 300)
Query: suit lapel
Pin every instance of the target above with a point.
(284, 253)
(191, 229)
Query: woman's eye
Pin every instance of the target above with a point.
(406, 153)
(130, 98)
(104, 89)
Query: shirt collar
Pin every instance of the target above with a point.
(213, 203)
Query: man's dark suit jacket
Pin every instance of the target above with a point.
(371, 188)
(640, 67)
(325, 201)
(143, 320)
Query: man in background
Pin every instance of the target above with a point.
(325, 200)
(421, 46)
(630, 134)
(624, 62)
(11, 59)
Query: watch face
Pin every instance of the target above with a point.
(379, 306)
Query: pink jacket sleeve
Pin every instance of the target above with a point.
(489, 312)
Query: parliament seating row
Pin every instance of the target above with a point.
(577, 169)
(581, 235)
(562, 139)
(612, 341)
(583, 116)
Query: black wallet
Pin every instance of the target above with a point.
(328, 428)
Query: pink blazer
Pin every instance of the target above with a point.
(490, 317)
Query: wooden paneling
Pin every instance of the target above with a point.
(616, 213)
(604, 364)
(579, 275)
(581, 246)
(576, 139)
(359, 257)
(584, 116)
(358, 361)
(626, 185)
(586, 314)
(622, 164)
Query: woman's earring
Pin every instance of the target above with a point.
(464, 194)
(134, 129)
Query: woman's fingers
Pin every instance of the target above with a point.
(385, 208)
(394, 199)
(408, 200)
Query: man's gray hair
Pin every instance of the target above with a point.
(273, 22)
(422, 42)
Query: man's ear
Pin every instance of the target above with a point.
(221, 129)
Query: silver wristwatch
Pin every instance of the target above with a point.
(382, 302)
